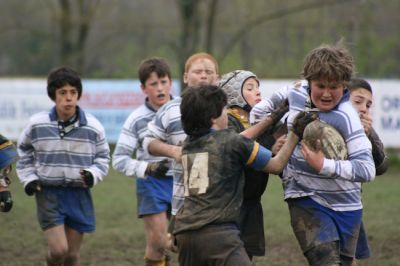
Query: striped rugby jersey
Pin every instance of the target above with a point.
(166, 126)
(131, 140)
(56, 157)
(338, 185)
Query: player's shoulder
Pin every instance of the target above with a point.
(92, 121)
(40, 117)
(139, 113)
(228, 135)
(170, 104)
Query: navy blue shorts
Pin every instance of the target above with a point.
(154, 195)
(71, 206)
(314, 224)
(363, 251)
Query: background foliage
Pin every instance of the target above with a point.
(109, 38)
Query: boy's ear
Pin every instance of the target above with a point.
(213, 121)
(185, 78)
(142, 87)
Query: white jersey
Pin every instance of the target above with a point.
(131, 140)
(338, 185)
(166, 126)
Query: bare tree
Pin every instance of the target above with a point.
(74, 31)
(244, 29)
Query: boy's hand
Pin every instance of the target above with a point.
(278, 144)
(301, 121)
(33, 187)
(157, 169)
(87, 177)
(314, 158)
(280, 111)
(366, 121)
(6, 202)
(171, 244)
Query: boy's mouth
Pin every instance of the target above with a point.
(162, 95)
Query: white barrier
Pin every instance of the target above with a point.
(111, 101)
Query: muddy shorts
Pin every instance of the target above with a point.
(314, 224)
(70, 206)
(216, 245)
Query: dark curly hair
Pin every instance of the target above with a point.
(199, 105)
(60, 77)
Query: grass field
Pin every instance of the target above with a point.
(119, 238)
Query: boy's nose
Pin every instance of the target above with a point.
(363, 109)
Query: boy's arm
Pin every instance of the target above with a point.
(279, 161)
(378, 153)
(359, 165)
(276, 164)
(122, 160)
(99, 168)
(155, 141)
(25, 166)
(157, 147)
(256, 130)
(267, 105)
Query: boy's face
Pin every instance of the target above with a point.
(66, 100)
(201, 72)
(361, 100)
(326, 95)
(221, 122)
(251, 92)
(157, 90)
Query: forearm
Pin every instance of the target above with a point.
(279, 161)
(256, 130)
(378, 153)
(99, 168)
(25, 167)
(159, 148)
(125, 164)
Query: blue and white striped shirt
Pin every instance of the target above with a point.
(57, 161)
(166, 126)
(131, 140)
(338, 185)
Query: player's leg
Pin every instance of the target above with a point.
(315, 232)
(154, 201)
(51, 220)
(74, 239)
(156, 234)
(156, 237)
(57, 245)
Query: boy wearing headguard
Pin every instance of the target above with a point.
(243, 92)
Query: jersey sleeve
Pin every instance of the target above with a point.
(122, 159)
(255, 155)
